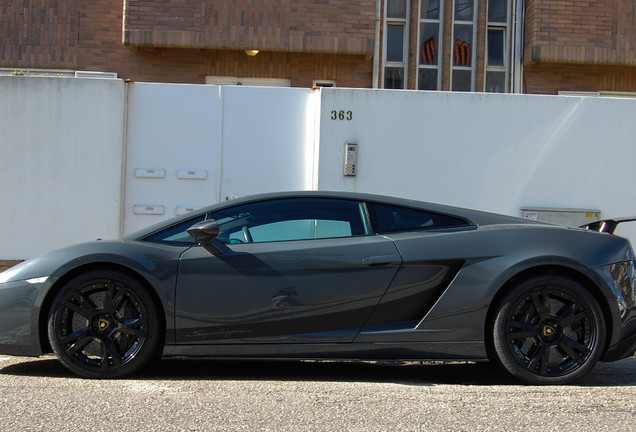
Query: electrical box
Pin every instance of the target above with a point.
(561, 216)
(351, 159)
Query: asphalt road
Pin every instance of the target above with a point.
(40, 395)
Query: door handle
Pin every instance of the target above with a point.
(378, 260)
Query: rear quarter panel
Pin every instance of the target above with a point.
(492, 256)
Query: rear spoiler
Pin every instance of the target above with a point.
(607, 225)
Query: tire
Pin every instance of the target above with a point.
(548, 330)
(104, 324)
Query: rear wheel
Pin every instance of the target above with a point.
(104, 324)
(548, 330)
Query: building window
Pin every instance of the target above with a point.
(496, 76)
(428, 71)
(395, 43)
(464, 24)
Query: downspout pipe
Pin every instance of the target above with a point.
(518, 26)
(376, 50)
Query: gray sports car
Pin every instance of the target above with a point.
(316, 275)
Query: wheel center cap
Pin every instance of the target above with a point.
(103, 324)
(548, 331)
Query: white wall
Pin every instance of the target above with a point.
(171, 128)
(486, 151)
(268, 140)
(65, 177)
(244, 140)
(60, 162)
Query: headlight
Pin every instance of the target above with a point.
(22, 272)
(37, 280)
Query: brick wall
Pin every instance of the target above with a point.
(7, 264)
(480, 46)
(326, 26)
(549, 78)
(580, 31)
(580, 46)
(303, 38)
(300, 68)
(82, 35)
(39, 32)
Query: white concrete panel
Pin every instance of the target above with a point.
(268, 140)
(60, 162)
(491, 152)
(173, 151)
(186, 146)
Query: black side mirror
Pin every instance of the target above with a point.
(205, 233)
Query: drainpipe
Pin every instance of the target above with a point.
(517, 58)
(376, 51)
(124, 155)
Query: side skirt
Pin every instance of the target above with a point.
(439, 351)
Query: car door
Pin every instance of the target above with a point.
(301, 270)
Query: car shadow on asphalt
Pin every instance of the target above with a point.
(621, 373)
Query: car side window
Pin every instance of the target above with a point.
(176, 235)
(290, 219)
(389, 218)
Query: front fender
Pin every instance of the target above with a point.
(27, 290)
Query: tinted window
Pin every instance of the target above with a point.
(388, 218)
(395, 43)
(301, 229)
(429, 9)
(497, 11)
(464, 10)
(290, 219)
(396, 9)
(176, 234)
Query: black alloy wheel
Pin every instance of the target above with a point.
(104, 324)
(548, 330)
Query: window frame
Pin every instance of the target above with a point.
(160, 235)
(362, 215)
(375, 228)
(368, 219)
(440, 40)
(471, 68)
(404, 22)
(498, 26)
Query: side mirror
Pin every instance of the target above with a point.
(205, 233)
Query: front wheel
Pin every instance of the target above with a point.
(548, 330)
(104, 324)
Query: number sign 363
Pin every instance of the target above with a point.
(341, 115)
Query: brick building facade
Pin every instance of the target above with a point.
(586, 46)
(532, 46)
(184, 41)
